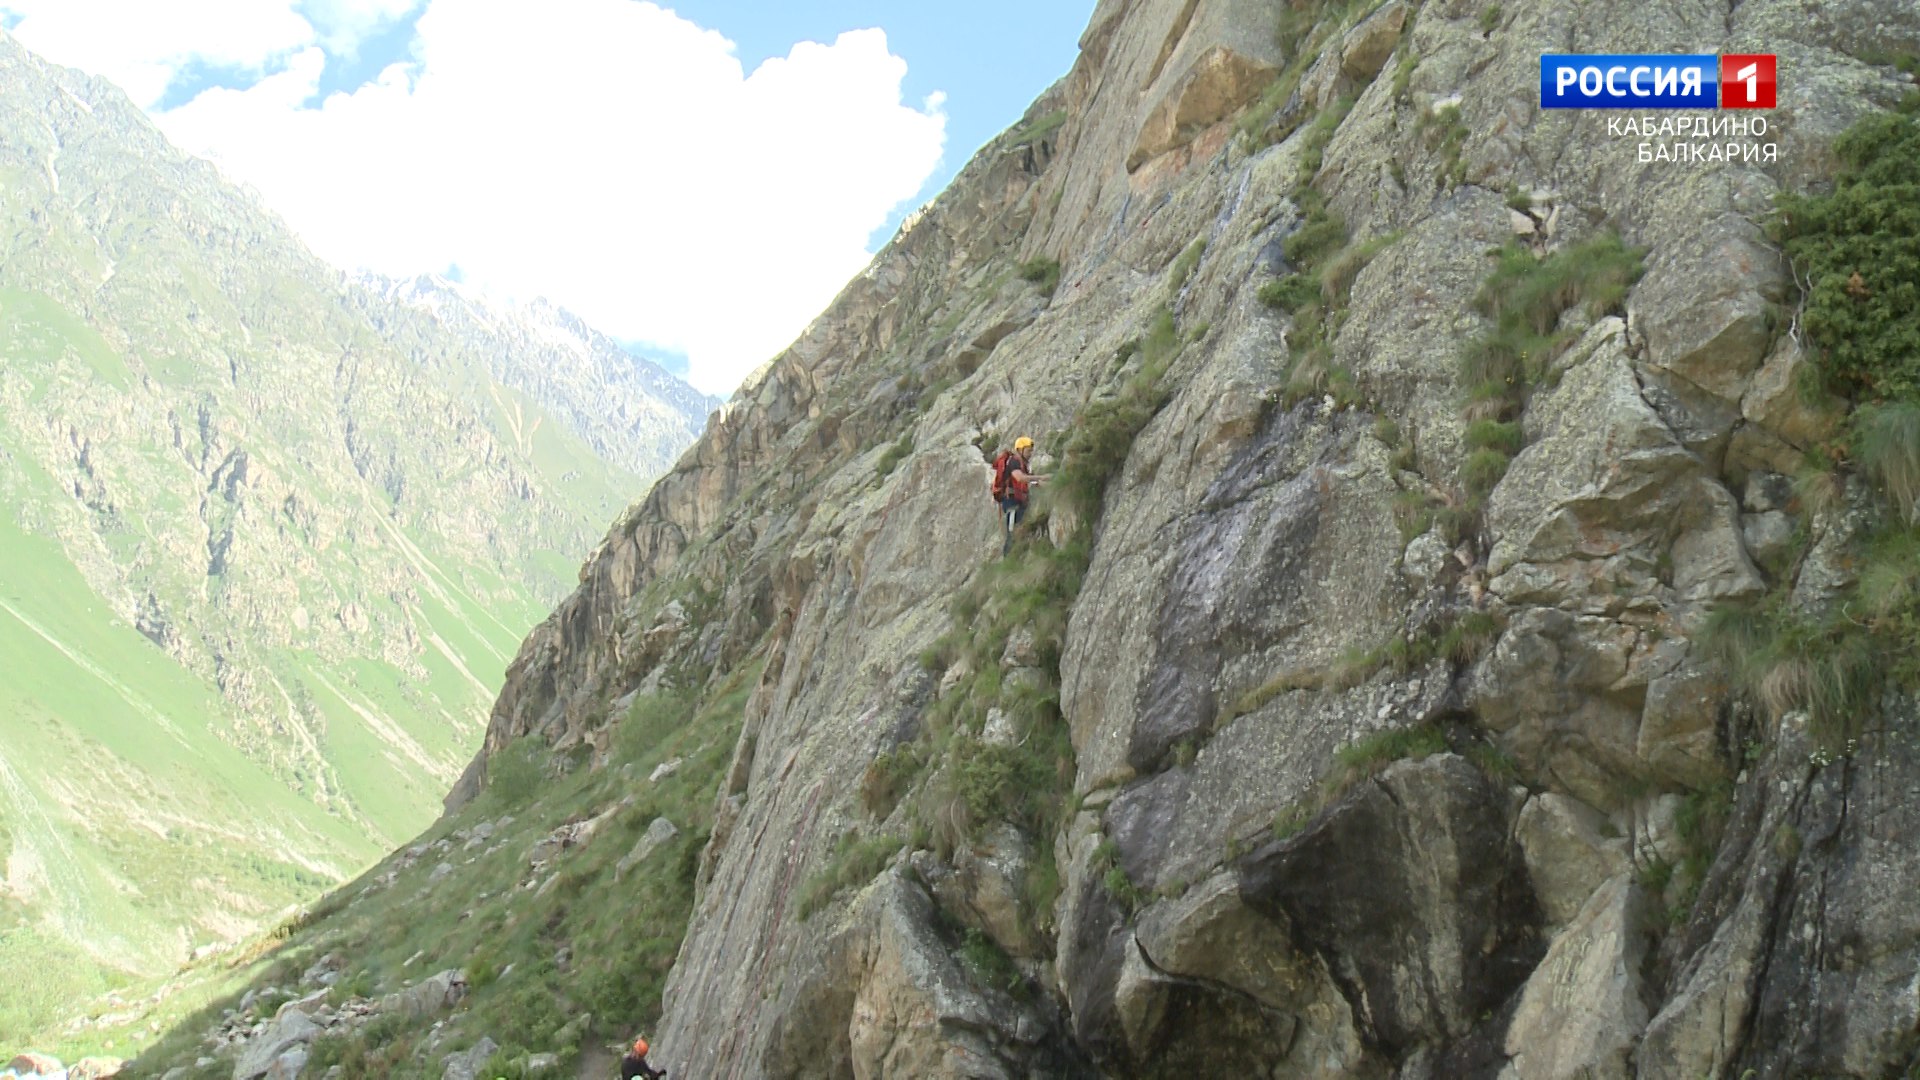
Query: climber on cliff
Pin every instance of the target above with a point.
(634, 1066)
(1011, 479)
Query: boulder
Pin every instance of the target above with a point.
(1775, 403)
(34, 1064)
(543, 1063)
(290, 1029)
(659, 831)
(1366, 47)
(431, 995)
(1568, 854)
(1606, 508)
(1413, 871)
(96, 1068)
(1768, 536)
(1805, 929)
(1557, 689)
(1679, 740)
(468, 1064)
(917, 1013)
(1212, 988)
(288, 1065)
(1424, 559)
(987, 885)
(1704, 305)
(1582, 1011)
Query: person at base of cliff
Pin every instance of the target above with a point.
(634, 1066)
(1011, 481)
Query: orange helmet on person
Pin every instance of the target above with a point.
(640, 1047)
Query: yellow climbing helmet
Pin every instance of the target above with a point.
(1023, 443)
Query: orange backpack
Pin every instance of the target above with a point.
(1003, 466)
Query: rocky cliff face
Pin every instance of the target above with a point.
(1592, 859)
(1347, 715)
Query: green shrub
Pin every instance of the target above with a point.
(1367, 756)
(1039, 129)
(650, 721)
(1290, 293)
(1379, 750)
(1413, 513)
(1318, 236)
(1460, 638)
(887, 778)
(1042, 272)
(515, 773)
(1525, 297)
(1859, 248)
(1494, 435)
(1114, 878)
(1889, 584)
(1258, 125)
(1319, 134)
(895, 454)
(995, 780)
(1654, 875)
(1534, 293)
(1446, 134)
(1489, 19)
(1344, 267)
(1482, 470)
(1493, 762)
(1403, 72)
(1296, 21)
(990, 963)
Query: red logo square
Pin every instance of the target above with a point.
(1747, 81)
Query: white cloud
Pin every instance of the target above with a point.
(345, 23)
(142, 44)
(606, 154)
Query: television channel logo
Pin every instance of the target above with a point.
(1658, 81)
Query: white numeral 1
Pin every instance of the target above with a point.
(1751, 76)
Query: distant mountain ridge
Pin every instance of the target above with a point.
(629, 409)
(273, 535)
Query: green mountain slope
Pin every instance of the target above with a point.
(273, 537)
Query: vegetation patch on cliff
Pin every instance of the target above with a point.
(1526, 297)
(1857, 251)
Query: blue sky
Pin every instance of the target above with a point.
(613, 156)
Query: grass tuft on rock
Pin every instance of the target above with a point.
(1526, 298)
(855, 861)
(1043, 272)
